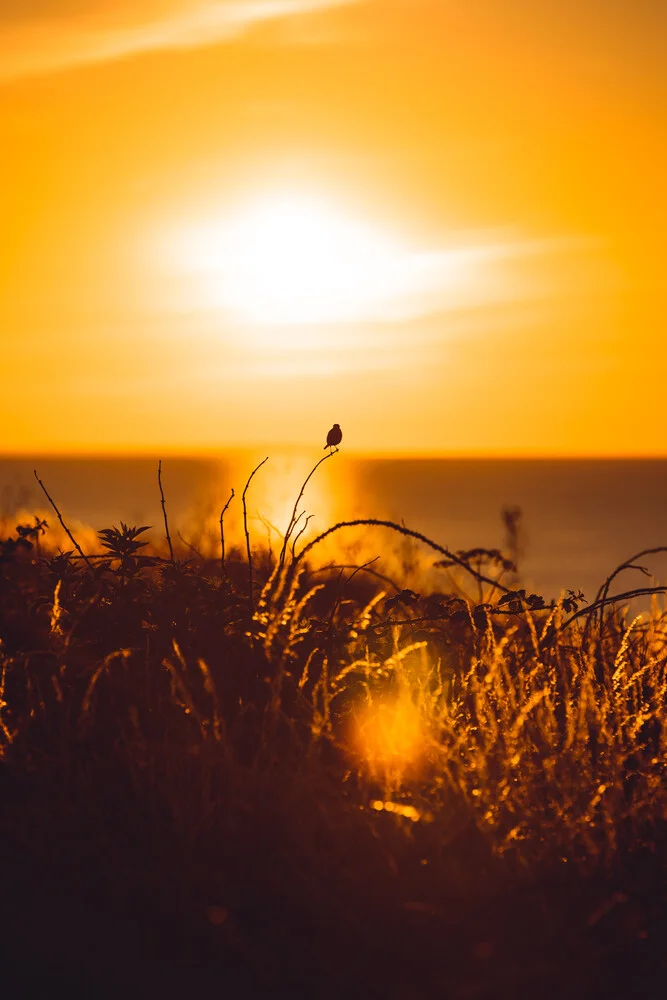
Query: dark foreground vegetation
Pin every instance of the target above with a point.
(258, 776)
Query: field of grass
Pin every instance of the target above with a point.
(262, 776)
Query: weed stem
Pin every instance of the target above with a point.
(164, 513)
(247, 533)
(67, 531)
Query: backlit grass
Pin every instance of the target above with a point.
(330, 760)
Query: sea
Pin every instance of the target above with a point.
(579, 518)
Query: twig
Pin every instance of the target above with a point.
(294, 519)
(341, 590)
(365, 569)
(222, 533)
(108, 555)
(628, 564)
(270, 527)
(190, 546)
(393, 622)
(627, 596)
(357, 569)
(67, 531)
(164, 514)
(247, 533)
(493, 589)
(304, 528)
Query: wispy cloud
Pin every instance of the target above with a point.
(39, 37)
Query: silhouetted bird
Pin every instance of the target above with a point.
(334, 437)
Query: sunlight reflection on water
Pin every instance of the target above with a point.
(580, 518)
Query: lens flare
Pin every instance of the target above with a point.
(389, 736)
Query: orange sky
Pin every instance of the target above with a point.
(512, 153)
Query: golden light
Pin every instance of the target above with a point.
(270, 504)
(275, 492)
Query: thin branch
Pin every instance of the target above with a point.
(373, 522)
(357, 569)
(341, 591)
(190, 546)
(109, 556)
(627, 596)
(164, 514)
(67, 531)
(365, 569)
(628, 564)
(270, 528)
(294, 519)
(95, 555)
(393, 622)
(490, 595)
(304, 528)
(222, 534)
(247, 533)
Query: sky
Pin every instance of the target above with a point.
(439, 224)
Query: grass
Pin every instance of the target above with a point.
(266, 776)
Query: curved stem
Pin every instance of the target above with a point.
(374, 522)
(247, 533)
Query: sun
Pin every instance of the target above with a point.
(286, 267)
(294, 259)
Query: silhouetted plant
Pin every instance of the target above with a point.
(210, 687)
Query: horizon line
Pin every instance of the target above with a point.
(356, 454)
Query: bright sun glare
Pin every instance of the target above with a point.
(296, 259)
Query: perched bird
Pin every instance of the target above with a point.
(334, 437)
